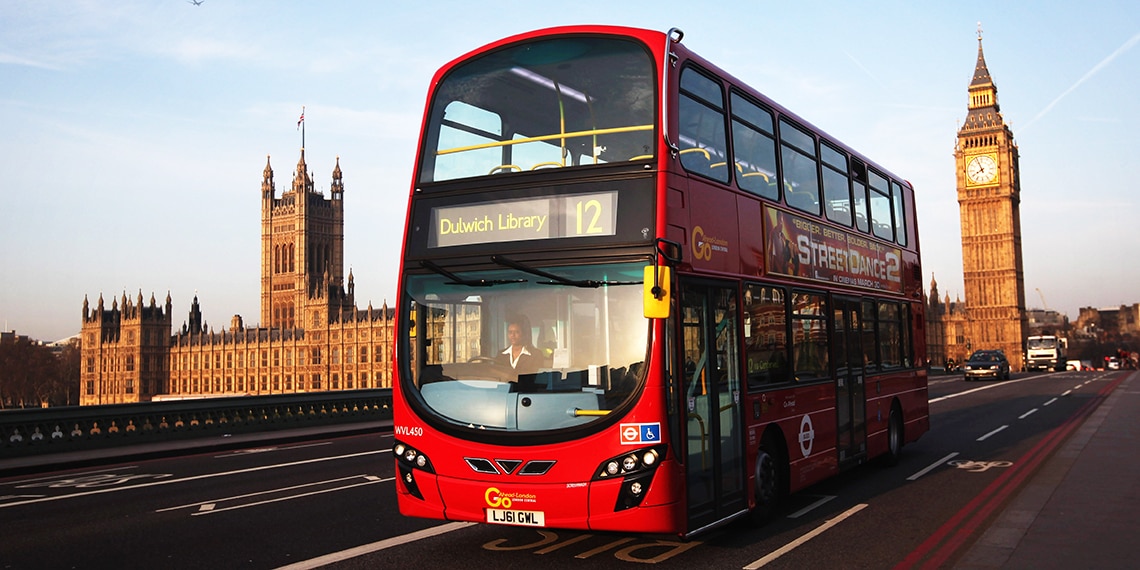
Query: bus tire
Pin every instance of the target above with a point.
(770, 484)
(894, 437)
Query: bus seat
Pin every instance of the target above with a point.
(802, 200)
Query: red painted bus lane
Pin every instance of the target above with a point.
(951, 536)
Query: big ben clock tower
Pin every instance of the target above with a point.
(989, 199)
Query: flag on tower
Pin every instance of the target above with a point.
(302, 119)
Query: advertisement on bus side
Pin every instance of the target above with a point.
(807, 249)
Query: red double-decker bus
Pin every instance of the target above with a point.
(638, 295)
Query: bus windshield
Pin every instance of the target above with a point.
(510, 349)
(553, 103)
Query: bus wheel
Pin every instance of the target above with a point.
(894, 437)
(769, 486)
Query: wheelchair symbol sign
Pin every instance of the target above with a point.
(637, 434)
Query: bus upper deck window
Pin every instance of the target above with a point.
(552, 103)
(701, 124)
(754, 147)
(801, 173)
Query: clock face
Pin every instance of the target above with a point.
(981, 169)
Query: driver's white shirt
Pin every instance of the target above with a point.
(515, 359)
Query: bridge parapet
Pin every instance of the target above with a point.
(52, 430)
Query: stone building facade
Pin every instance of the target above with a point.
(312, 337)
(945, 329)
(989, 199)
(1111, 323)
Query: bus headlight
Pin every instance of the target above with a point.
(636, 469)
(408, 461)
(630, 463)
(650, 458)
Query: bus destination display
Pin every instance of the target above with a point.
(547, 217)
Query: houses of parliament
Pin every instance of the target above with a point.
(312, 335)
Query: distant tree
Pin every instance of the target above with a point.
(66, 390)
(32, 375)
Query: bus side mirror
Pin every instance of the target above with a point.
(655, 292)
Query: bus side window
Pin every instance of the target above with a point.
(836, 187)
(900, 216)
(890, 335)
(859, 195)
(702, 134)
(880, 202)
(870, 345)
(766, 335)
(810, 348)
(800, 170)
(754, 147)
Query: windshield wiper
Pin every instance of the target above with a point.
(456, 280)
(556, 279)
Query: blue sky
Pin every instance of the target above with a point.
(135, 132)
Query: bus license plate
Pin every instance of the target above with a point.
(523, 518)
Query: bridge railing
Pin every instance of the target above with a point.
(51, 430)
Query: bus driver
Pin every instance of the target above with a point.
(522, 356)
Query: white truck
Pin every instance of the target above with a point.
(1045, 352)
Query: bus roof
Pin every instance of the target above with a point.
(655, 41)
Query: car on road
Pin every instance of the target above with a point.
(986, 364)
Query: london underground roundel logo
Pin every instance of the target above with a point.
(807, 435)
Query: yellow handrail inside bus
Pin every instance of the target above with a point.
(546, 138)
(504, 167)
(725, 163)
(697, 149)
(547, 165)
(704, 439)
(580, 412)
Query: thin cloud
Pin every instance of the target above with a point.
(860, 65)
(1096, 68)
(9, 59)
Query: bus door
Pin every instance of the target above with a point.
(713, 447)
(850, 406)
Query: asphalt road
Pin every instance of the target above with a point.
(331, 503)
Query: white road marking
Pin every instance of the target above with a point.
(56, 476)
(289, 498)
(376, 546)
(253, 450)
(811, 507)
(196, 477)
(985, 387)
(932, 466)
(266, 492)
(987, 436)
(803, 539)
